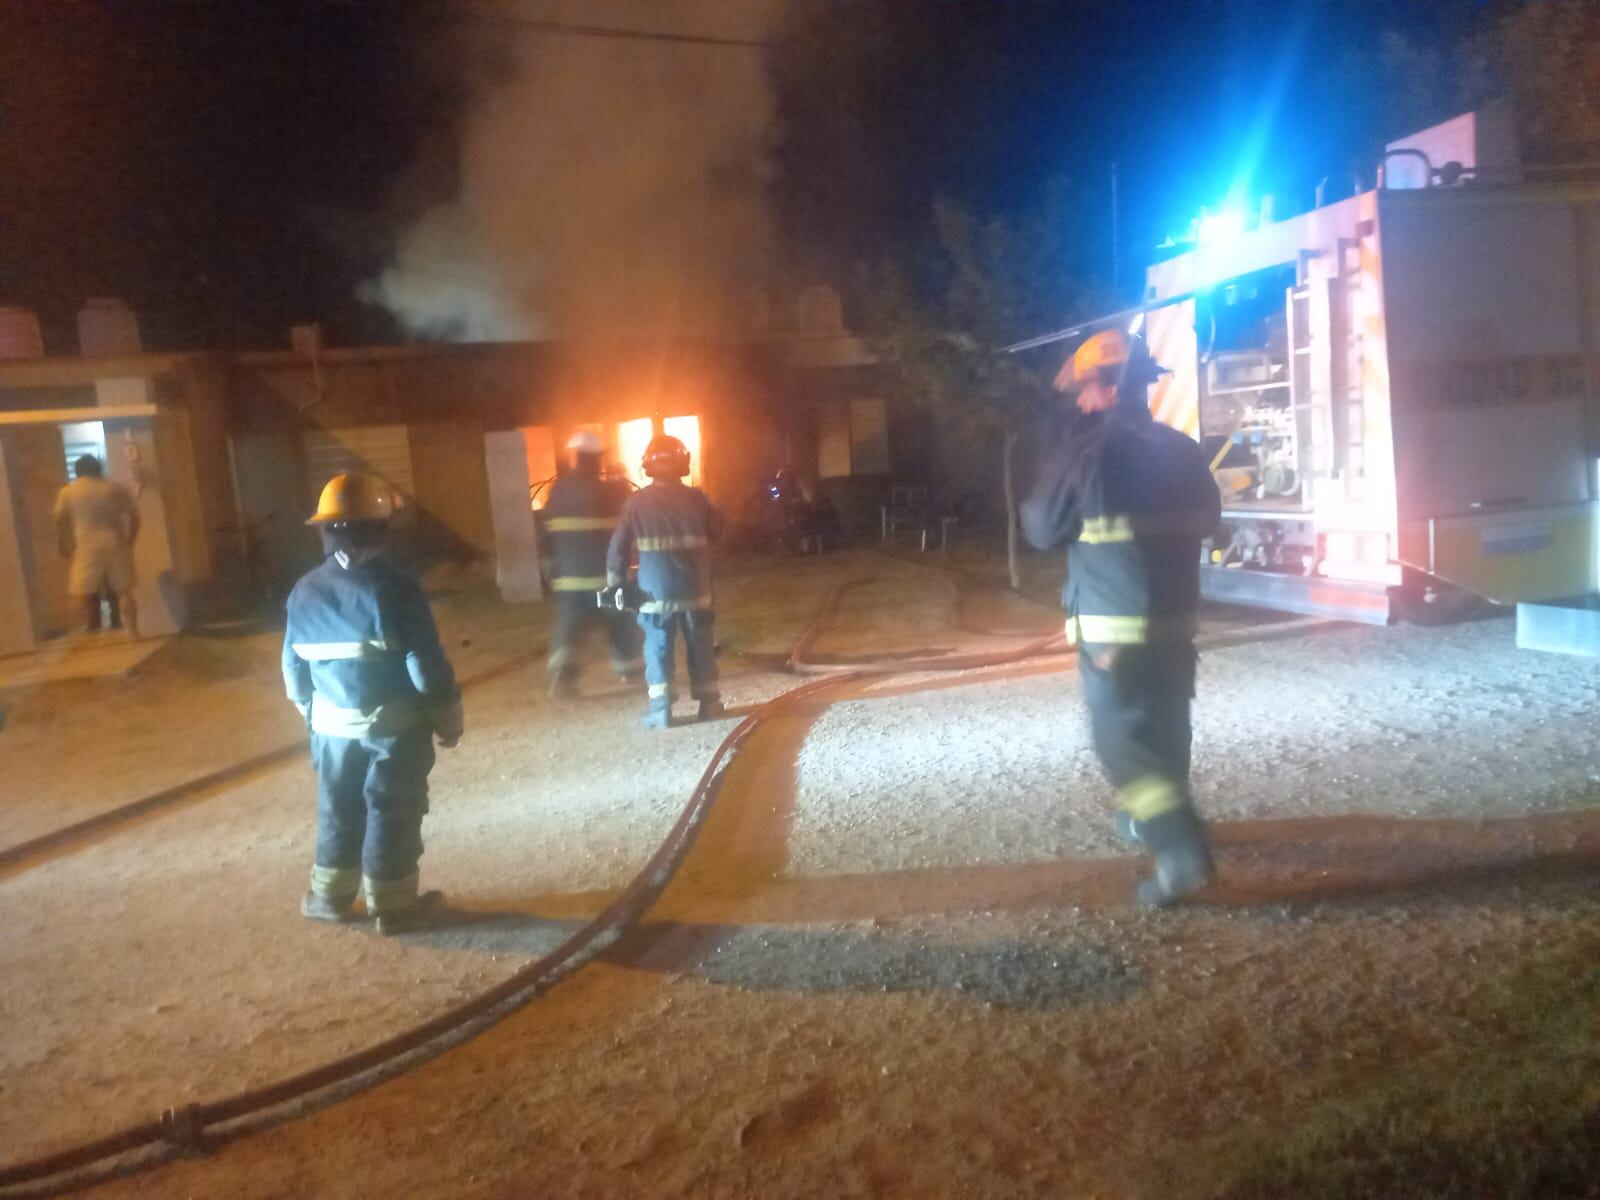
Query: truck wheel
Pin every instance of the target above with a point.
(1432, 602)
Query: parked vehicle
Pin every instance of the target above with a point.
(1394, 387)
(788, 515)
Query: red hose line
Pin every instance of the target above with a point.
(186, 1125)
(797, 663)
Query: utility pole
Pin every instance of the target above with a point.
(1116, 233)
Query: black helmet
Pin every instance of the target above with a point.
(666, 458)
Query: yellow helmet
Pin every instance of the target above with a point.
(354, 496)
(1108, 350)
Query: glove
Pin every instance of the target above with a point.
(449, 722)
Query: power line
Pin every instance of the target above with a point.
(535, 25)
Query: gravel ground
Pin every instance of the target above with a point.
(75, 749)
(899, 958)
(1045, 1052)
(119, 1017)
(1395, 721)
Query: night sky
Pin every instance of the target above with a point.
(231, 168)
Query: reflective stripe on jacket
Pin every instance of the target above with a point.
(1130, 499)
(579, 519)
(672, 528)
(361, 648)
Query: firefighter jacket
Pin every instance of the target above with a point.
(1130, 499)
(579, 519)
(672, 527)
(362, 650)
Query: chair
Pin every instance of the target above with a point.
(907, 508)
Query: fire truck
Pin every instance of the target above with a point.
(1395, 388)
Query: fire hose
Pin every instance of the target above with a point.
(193, 1128)
(798, 664)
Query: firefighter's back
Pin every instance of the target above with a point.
(673, 527)
(579, 519)
(348, 624)
(1138, 554)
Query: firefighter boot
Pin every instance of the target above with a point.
(1177, 844)
(417, 915)
(332, 894)
(327, 908)
(397, 905)
(711, 710)
(659, 714)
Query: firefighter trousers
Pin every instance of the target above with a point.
(574, 613)
(700, 647)
(1138, 699)
(372, 793)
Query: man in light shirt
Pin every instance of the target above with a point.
(97, 521)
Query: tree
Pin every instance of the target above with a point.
(989, 283)
(1543, 56)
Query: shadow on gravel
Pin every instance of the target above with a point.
(1356, 858)
(1010, 974)
(513, 933)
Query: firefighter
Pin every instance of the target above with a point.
(363, 664)
(672, 527)
(579, 519)
(1130, 499)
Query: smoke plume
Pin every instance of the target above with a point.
(606, 186)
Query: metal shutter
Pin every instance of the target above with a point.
(385, 450)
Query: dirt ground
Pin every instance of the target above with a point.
(899, 958)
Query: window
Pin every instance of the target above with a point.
(632, 439)
(687, 431)
(83, 437)
(869, 437)
(853, 438)
(539, 445)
